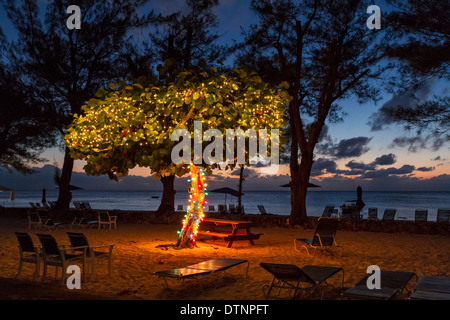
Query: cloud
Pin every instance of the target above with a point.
(346, 148)
(425, 169)
(360, 166)
(413, 144)
(386, 159)
(381, 119)
(406, 169)
(322, 166)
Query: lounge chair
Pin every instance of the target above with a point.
(421, 215)
(201, 270)
(372, 214)
(324, 237)
(232, 209)
(328, 210)
(28, 253)
(431, 288)
(389, 214)
(34, 220)
(55, 255)
(291, 277)
(211, 208)
(393, 283)
(79, 240)
(443, 216)
(104, 219)
(261, 209)
(76, 204)
(47, 222)
(86, 206)
(180, 207)
(80, 221)
(222, 208)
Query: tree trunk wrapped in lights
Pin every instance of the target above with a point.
(195, 214)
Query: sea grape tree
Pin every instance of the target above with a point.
(131, 125)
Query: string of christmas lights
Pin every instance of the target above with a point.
(195, 210)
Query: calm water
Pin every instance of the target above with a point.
(277, 202)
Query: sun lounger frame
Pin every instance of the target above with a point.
(202, 270)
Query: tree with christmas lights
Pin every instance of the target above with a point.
(132, 125)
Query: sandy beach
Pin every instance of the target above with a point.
(142, 249)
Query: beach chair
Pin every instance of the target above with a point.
(291, 277)
(231, 208)
(211, 208)
(57, 256)
(393, 283)
(421, 215)
(222, 208)
(201, 270)
(324, 237)
(443, 216)
(180, 207)
(86, 206)
(104, 219)
(28, 253)
(328, 210)
(372, 214)
(261, 209)
(76, 204)
(80, 221)
(34, 220)
(79, 240)
(431, 288)
(47, 222)
(389, 214)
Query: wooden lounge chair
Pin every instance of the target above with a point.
(328, 210)
(201, 270)
(231, 208)
(431, 288)
(261, 209)
(372, 214)
(180, 207)
(389, 214)
(104, 219)
(28, 253)
(55, 255)
(421, 215)
(393, 283)
(324, 237)
(291, 277)
(443, 216)
(79, 240)
(211, 209)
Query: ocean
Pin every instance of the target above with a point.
(277, 202)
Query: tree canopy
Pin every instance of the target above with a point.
(131, 124)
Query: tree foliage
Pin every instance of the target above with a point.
(131, 124)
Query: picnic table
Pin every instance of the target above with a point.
(229, 230)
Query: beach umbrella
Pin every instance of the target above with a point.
(310, 185)
(11, 192)
(227, 191)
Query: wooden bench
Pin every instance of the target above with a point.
(228, 230)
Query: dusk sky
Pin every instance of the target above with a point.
(365, 149)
